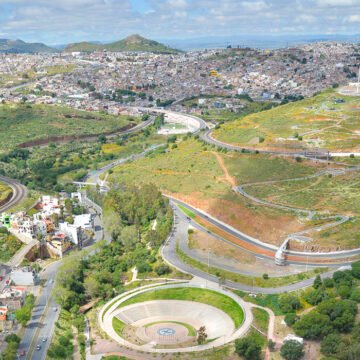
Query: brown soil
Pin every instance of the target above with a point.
(230, 179)
(247, 219)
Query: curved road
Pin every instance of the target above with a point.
(169, 254)
(19, 192)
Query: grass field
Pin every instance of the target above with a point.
(209, 297)
(333, 195)
(328, 120)
(118, 325)
(261, 319)
(24, 123)
(5, 190)
(204, 178)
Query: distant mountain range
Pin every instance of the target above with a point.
(19, 46)
(139, 43)
(131, 43)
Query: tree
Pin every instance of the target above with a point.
(355, 269)
(330, 344)
(12, 338)
(129, 237)
(248, 347)
(289, 303)
(92, 286)
(292, 350)
(313, 326)
(102, 139)
(355, 295)
(201, 335)
(344, 291)
(317, 282)
(290, 319)
(271, 345)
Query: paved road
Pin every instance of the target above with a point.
(207, 136)
(39, 324)
(180, 231)
(266, 250)
(19, 193)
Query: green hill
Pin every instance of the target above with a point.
(19, 46)
(131, 43)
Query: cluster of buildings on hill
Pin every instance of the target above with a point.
(52, 223)
(105, 80)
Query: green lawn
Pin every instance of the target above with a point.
(118, 325)
(24, 123)
(261, 319)
(209, 297)
(245, 279)
(321, 121)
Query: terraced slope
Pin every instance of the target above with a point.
(328, 120)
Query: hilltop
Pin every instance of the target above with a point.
(19, 46)
(328, 120)
(131, 43)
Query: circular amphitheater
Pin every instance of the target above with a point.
(171, 325)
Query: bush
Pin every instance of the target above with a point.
(355, 269)
(292, 350)
(330, 344)
(248, 347)
(317, 282)
(328, 282)
(143, 268)
(162, 270)
(313, 326)
(290, 319)
(289, 303)
(344, 291)
(355, 295)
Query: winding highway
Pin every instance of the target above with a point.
(44, 317)
(19, 193)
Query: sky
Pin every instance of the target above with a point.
(65, 21)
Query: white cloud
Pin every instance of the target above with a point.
(354, 18)
(254, 5)
(338, 3)
(306, 18)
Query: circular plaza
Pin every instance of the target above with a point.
(171, 317)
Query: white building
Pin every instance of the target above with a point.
(24, 276)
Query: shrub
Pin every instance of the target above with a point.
(328, 283)
(290, 319)
(143, 268)
(248, 347)
(292, 350)
(355, 295)
(162, 270)
(313, 326)
(330, 344)
(289, 303)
